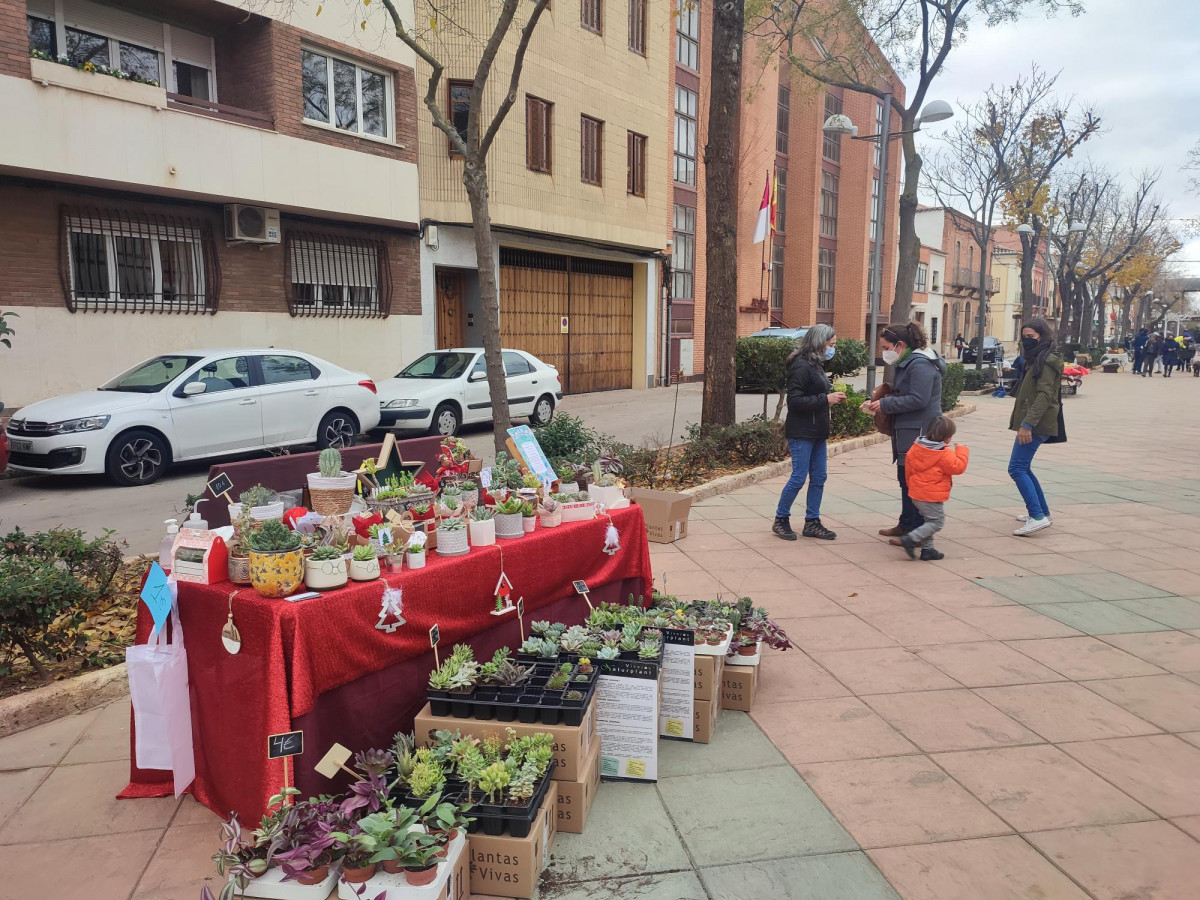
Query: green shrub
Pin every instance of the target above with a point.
(566, 437)
(975, 379)
(849, 358)
(846, 419)
(761, 364)
(952, 385)
(43, 576)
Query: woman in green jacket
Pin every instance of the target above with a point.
(1035, 419)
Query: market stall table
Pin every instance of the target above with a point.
(323, 667)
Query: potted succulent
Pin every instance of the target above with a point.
(509, 515)
(364, 564)
(566, 477)
(576, 507)
(528, 516)
(550, 513)
(452, 537)
(606, 488)
(416, 550)
(325, 569)
(483, 526)
(239, 550)
(263, 503)
(276, 560)
(451, 502)
(470, 493)
(330, 489)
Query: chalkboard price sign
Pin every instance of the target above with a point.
(289, 743)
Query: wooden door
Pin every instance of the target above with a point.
(449, 308)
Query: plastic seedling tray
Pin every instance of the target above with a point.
(718, 649)
(753, 660)
(396, 887)
(271, 886)
(534, 704)
(494, 820)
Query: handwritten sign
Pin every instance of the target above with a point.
(580, 587)
(435, 636)
(526, 447)
(156, 594)
(485, 477)
(221, 486)
(289, 743)
(521, 608)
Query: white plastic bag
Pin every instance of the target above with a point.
(162, 710)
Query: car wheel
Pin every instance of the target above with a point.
(543, 410)
(337, 429)
(136, 457)
(446, 420)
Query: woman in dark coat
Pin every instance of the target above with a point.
(915, 401)
(1170, 356)
(807, 431)
(1035, 419)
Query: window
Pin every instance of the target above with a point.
(538, 116)
(591, 147)
(922, 275)
(874, 206)
(190, 80)
(933, 331)
(829, 204)
(284, 369)
(221, 375)
(831, 145)
(687, 35)
(591, 15)
(872, 271)
(460, 107)
(336, 275)
(637, 26)
(140, 62)
(777, 276)
(782, 114)
(84, 47)
(683, 254)
(137, 263)
(515, 364)
(935, 284)
(826, 277)
(635, 182)
(359, 101)
(686, 106)
(780, 199)
(42, 36)
(878, 130)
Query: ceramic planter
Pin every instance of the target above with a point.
(324, 574)
(529, 523)
(551, 520)
(364, 569)
(277, 574)
(483, 533)
(416, 560)
(509, 525)
(568, 487)
(470, 498)
(239, 569)
(452, 543)
(607, 497)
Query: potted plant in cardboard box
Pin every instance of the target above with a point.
(276, 560)
(325, 569)
(483, 526)
(364, 564)
(509, 517)
(330, 489)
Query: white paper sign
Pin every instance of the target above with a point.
(485, 477)
(676, 716)
(626, 709)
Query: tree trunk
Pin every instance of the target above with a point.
(1126, 306)
(1029, 245)
(36, 663)
(1064, 312)
(981, 329)
(908, 252)
(475, 180)
(720, 173)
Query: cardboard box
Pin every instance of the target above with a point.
(572, 744)
(575, 797)
(704, 724)
(506, 866)
(739, 684)
(666, 514)
(708, 677)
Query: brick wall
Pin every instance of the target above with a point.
(244, 65)
(14, 39)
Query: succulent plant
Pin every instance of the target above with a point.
(453, 523)
(493, 780)
(521, 786)
(648, 650)
(527, 509)
(363, 553)
(424, 778)
(451, 490)
(259, 495)
(482, 514)
(549, 649)
(324, 553)
(608, 653)
(540, 627)
(511, 505)
(329, 463)
(557, 681)
(531, 646)
(273, 537)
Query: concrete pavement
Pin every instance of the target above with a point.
(1019, 720)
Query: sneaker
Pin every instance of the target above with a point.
(929, 554)
(1032, 526)
(814, 529)
(909, 547)
(783, 528)
(1024, 518)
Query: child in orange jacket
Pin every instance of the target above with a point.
(928, 466)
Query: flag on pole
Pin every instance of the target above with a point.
(763, 225)
(774, 202)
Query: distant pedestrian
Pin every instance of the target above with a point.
(807, 430)
(1170, 356)
(1150, 355)
(1195, 362)
(1035, 419)
(930, 464)
(1139, 350)
(959, 343)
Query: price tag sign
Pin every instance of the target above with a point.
(221, 486)
(156, 594)
(521, 608)
(289, 743)
(435, 636)
(485, 477)
(581, 587)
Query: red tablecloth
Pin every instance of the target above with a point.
(322, 664)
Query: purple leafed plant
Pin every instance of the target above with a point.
(366, 794)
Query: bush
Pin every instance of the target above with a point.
(846, 419)
(761, 364)
(952, 385)
(566, 437)
(849, 358)
(975, 379)
(45, 576)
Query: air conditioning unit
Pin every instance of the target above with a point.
(253, 224)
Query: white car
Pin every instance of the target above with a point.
(446, 389)
(190, 405)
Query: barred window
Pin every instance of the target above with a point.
(637, 26)
(337, 275)
(591, 14)
(119, 261)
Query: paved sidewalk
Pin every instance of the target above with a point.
(1021, 720)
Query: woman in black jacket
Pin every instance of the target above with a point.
(807, 430)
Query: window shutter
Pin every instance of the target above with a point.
(192, 48)
(112, 22)
(42, 9)
(530, 131)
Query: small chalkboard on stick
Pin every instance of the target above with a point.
(221, 486)
(289, 743)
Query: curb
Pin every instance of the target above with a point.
(727, 483)
(63, 698)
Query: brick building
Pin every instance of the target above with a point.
(253, 183)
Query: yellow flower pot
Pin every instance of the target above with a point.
(277, 574)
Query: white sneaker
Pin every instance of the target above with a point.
(1024, 518)
(1032, 525)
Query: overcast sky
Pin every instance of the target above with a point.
(1137, 61)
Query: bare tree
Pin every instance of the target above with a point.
(846, 43)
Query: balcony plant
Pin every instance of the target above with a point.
(452, 537)
(509, 518)
(364, 564)
(325, 569)
(483, 526)
(276, 560)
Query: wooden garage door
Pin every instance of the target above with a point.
(537, 290)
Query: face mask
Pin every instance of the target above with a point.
(890, 357)
(829, 352)
(1029, 344)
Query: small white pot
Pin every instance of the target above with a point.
(364, 570)
(509, 525)
(581, 511)
(452, 543)
(606, 496)
(529, 523)
(483, 533)
(324, 574)
(416, 560)
(259, 513)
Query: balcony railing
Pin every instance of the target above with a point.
(220, 111)
(963, 277)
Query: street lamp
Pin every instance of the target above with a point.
(839, 124)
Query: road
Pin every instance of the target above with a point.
(136, 514)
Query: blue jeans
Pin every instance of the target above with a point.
(809, 461)
(1020, 472)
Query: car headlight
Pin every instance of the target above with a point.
(71, 426)
(398, 404)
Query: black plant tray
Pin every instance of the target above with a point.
(516, 820)
(534, 705)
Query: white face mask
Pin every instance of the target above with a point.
(890, 357)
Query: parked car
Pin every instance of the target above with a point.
(3, 446)
(793, 334)
(993, 350)
(193, 404)
(444, 390)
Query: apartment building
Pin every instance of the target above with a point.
(818, 265)
(927, 294)
(578, 195)
(1005, 316)
(184, 173)
(949, 231)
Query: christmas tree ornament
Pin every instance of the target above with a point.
(503, 604)
(391, 607)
